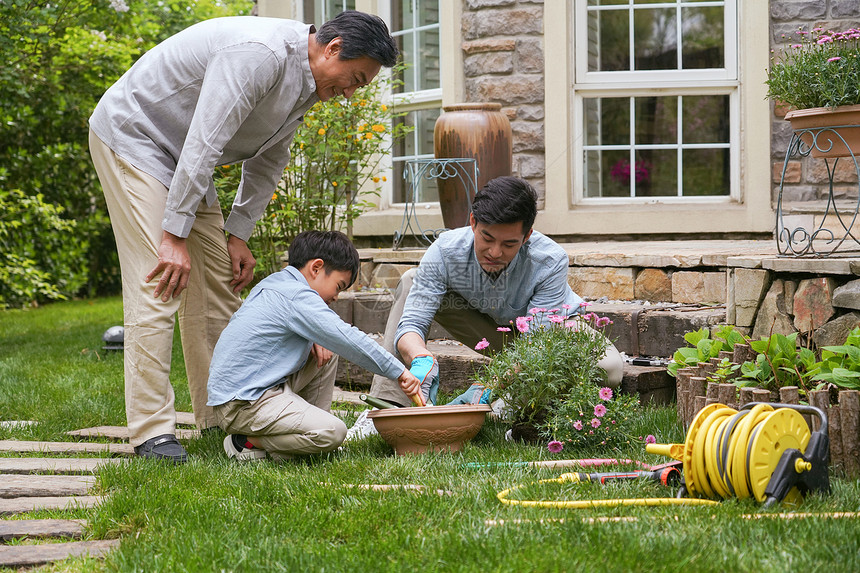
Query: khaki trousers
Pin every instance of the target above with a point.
(136, 203)
(291, 418)
(468, 325)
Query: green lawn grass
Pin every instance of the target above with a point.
(212, 514)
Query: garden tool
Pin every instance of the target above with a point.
(376, 402)
(668, 476)
(763, 450)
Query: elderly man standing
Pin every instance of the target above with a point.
(224, 91)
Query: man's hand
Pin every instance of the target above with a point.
(322, 355)
(426, 368)
(409, 383)
(243, 263)
(174, 264)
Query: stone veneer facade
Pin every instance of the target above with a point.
(806, 179)
(503, 61)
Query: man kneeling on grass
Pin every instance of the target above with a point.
(272, 374)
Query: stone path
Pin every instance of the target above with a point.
(57, 483)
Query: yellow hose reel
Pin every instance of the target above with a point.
(766, 451)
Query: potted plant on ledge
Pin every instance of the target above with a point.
(819, 78)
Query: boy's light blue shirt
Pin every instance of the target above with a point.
(536, 278)
(271, 335)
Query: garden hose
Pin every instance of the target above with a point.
(764, 451)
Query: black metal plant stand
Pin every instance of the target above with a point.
(835, 231)
(464, 169)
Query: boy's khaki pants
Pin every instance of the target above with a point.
(136, 202)
(291, 418)
(468, 325)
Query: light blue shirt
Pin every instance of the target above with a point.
(271, 335)
(536, 278)
(226, 90)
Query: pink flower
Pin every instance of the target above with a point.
(584, 304)
(605, 393)
(577, 425)
(603, 321)
(556, 319)
(566, 306)
(570, 324)
(650, 439)
(552, 310)
(595, 423)
(797, 45)
(536, 310)
(503, 329)
(482, 345)
(522, 324)
(834, 59)
(555, 446)
(599, 411)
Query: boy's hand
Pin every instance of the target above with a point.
(409, 383)
(426, 368)
(322, 355)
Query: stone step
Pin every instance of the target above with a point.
(653, 384)
(10, 506)
(121, 433)
(54, 465)
(23, 446)
(13, 485)
(33, 555)
(20, 528)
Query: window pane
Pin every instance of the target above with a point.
(656, 173)
(706, 172)
(706, 119)
(655, 39)
(607, 121)
(428, 60)
(407, 75)
(418, 144)
(656, 120)
(608, 40)
(615, 170)
(703, 34)
(606, 2)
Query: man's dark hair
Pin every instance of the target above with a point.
(362, 35)
(333, 247)
(506, 200)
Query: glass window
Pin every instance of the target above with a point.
(655, 80)
(415, 27)
(321, 11)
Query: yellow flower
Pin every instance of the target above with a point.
(384, 178)
(384, 107)
(361, 127)
(334, 183)
(274, 196)
(321, 131)
(378, 128)
(301, 146)
(362, 103)
(368, 136)
(376, 179)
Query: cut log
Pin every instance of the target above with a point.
(44, 486)
(19, 528)
(32, 555)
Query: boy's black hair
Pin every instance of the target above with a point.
(333, 247)
(506, 200)
(361, 35)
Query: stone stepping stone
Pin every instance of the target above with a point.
(27, 504)
(22, 446)
(44, 486)
(121, 433)
(32, 555)
(18, 528)
(54, 465)
(341, 395)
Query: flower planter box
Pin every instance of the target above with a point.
(694, 392)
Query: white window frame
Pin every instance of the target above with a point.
(649, 83)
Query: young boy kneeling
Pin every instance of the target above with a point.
(272, 373)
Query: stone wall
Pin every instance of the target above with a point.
(805, 179)
(503, 52)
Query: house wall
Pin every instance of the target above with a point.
(805, 178)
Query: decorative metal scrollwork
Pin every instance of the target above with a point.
(834, 231)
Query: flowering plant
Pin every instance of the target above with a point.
(549, 367)
(821, 69)
(592, 416)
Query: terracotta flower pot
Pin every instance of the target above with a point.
(430, 428)
(478, 131)
(826, 136)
